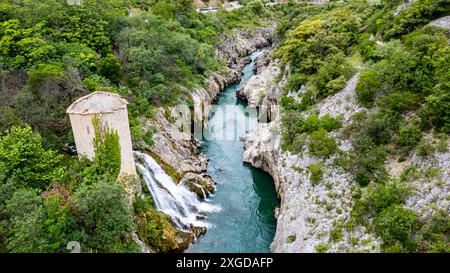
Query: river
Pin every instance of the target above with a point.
(246, 195)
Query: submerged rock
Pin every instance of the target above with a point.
(198, 231)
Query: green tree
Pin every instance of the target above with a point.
(397, 225)
(368, 85)
(409, 136)
(23, 156)
(437, 111)
(110, 68)
(105, 217)
(322, 145)
(38, 225)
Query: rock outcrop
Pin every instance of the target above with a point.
(443, 22)
(403, 6)
(242, 43)
(255, 89)
(308, 211)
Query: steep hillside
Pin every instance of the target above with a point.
(357, 139)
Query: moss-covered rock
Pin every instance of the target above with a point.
(157, 230)
(166, 167)
(200, 185)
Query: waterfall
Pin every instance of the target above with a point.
(176, 201)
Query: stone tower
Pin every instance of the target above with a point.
(112, 112)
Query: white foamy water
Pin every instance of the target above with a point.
(177, 201)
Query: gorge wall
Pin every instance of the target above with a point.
(176, 150)
(309, 212)
(179, 149)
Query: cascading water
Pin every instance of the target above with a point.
(176, 201)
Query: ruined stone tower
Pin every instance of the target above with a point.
(111, 110)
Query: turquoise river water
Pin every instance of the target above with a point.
(246, 195)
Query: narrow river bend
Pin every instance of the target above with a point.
(246, 195)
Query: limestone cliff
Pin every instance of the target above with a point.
(309, 212)
(254, 91)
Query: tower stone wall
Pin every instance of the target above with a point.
(112, 112)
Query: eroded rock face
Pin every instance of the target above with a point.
(255, 89)
(308, 211)
(242, 43)
(262, 150)
(176, 148)
(443, 22)
(262, 60)
(431, 185)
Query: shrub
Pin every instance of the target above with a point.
(367, 45)
(441, 145)
(316, 171)
(437, 111)
(367, 163)
(110, 68)
(298, 143)
(363, 177)
(396, 224)
(399, 101)
(381, 126)
(332, 75)
(309, 98)
(434, 234)
(369, 84)
(288, 103)
(148, 137)
(44, 73)
(336, 234)
(295, 81)
(321, 248)
(380, 197)
(322, 145)
(314, 123)
(425, 148)
(330, 123)
(419, 13)
(23, 156)
(409, 136)
(291, 238)
(104, 216)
